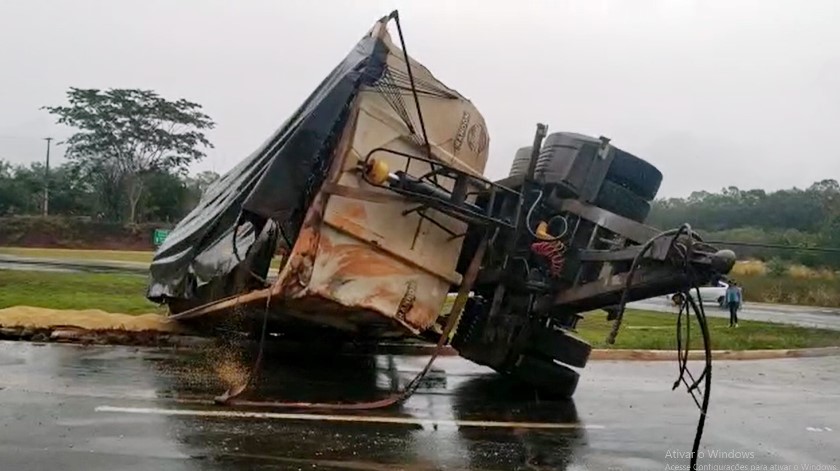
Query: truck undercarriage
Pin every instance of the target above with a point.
(385, 213)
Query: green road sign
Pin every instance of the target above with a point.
(159, 236)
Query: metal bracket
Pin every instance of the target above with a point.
(430, 193)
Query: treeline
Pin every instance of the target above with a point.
(796, 217)
(168, 196)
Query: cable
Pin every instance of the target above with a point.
(395, 15)
(239, 259)
(531, 213)
(283, 234)
(707, 375)
(623, 301)
(685, 252)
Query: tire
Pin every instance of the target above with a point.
(634, 173)
(721, 303)
(622, 201)
(560, 345)
(552, 380)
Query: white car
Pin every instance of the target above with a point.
(715, 294)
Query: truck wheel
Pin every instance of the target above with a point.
(560, 345)
(552, 380)
(636, 174)
(622, 201)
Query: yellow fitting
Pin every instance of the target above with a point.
(542, 231)
(377, 172)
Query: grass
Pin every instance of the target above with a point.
(753, 268)
(84, 254)
(799, 285)
(656, 331)
(641, 329)
(113, 293)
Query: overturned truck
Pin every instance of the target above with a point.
(372, 195)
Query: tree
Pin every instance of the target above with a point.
(167, 198)
(124, 134)
(10, 196)
(203, 180)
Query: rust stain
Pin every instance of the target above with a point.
(362, 261)
(345, 224)
(421, 316)
(379, 292)
(320, 297)
(407, 302)
(354, 210)
(302, 257)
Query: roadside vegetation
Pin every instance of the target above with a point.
(785, 220)
(641, 329)
(657, 331)
(780, 282)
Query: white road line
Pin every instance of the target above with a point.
(343, 418)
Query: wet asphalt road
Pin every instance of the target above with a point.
(803, 316)
(109, 408)
(15, 262)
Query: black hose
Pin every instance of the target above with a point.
(682, 354)
(707, 375)
(239, 259)
(623, 302)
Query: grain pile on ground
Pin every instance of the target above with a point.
(87, 319)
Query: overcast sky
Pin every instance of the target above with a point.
(714, 93)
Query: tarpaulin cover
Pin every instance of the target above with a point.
(271, 184)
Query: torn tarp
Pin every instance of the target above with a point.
(273, 183)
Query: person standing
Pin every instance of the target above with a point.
(733, 301)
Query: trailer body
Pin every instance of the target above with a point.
(373, 192)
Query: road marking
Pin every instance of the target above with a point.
(343, 418)
(818, 429)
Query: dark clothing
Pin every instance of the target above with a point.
(733, 313)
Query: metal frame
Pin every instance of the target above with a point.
(435, 196)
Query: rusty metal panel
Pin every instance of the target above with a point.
(364, 257)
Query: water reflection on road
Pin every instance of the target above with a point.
(432, 436)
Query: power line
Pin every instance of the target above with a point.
(775, 246)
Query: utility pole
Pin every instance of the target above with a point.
(47, 178)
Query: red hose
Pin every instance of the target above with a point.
(553, 251)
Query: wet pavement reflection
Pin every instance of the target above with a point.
(89, 408)
(472, 394)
